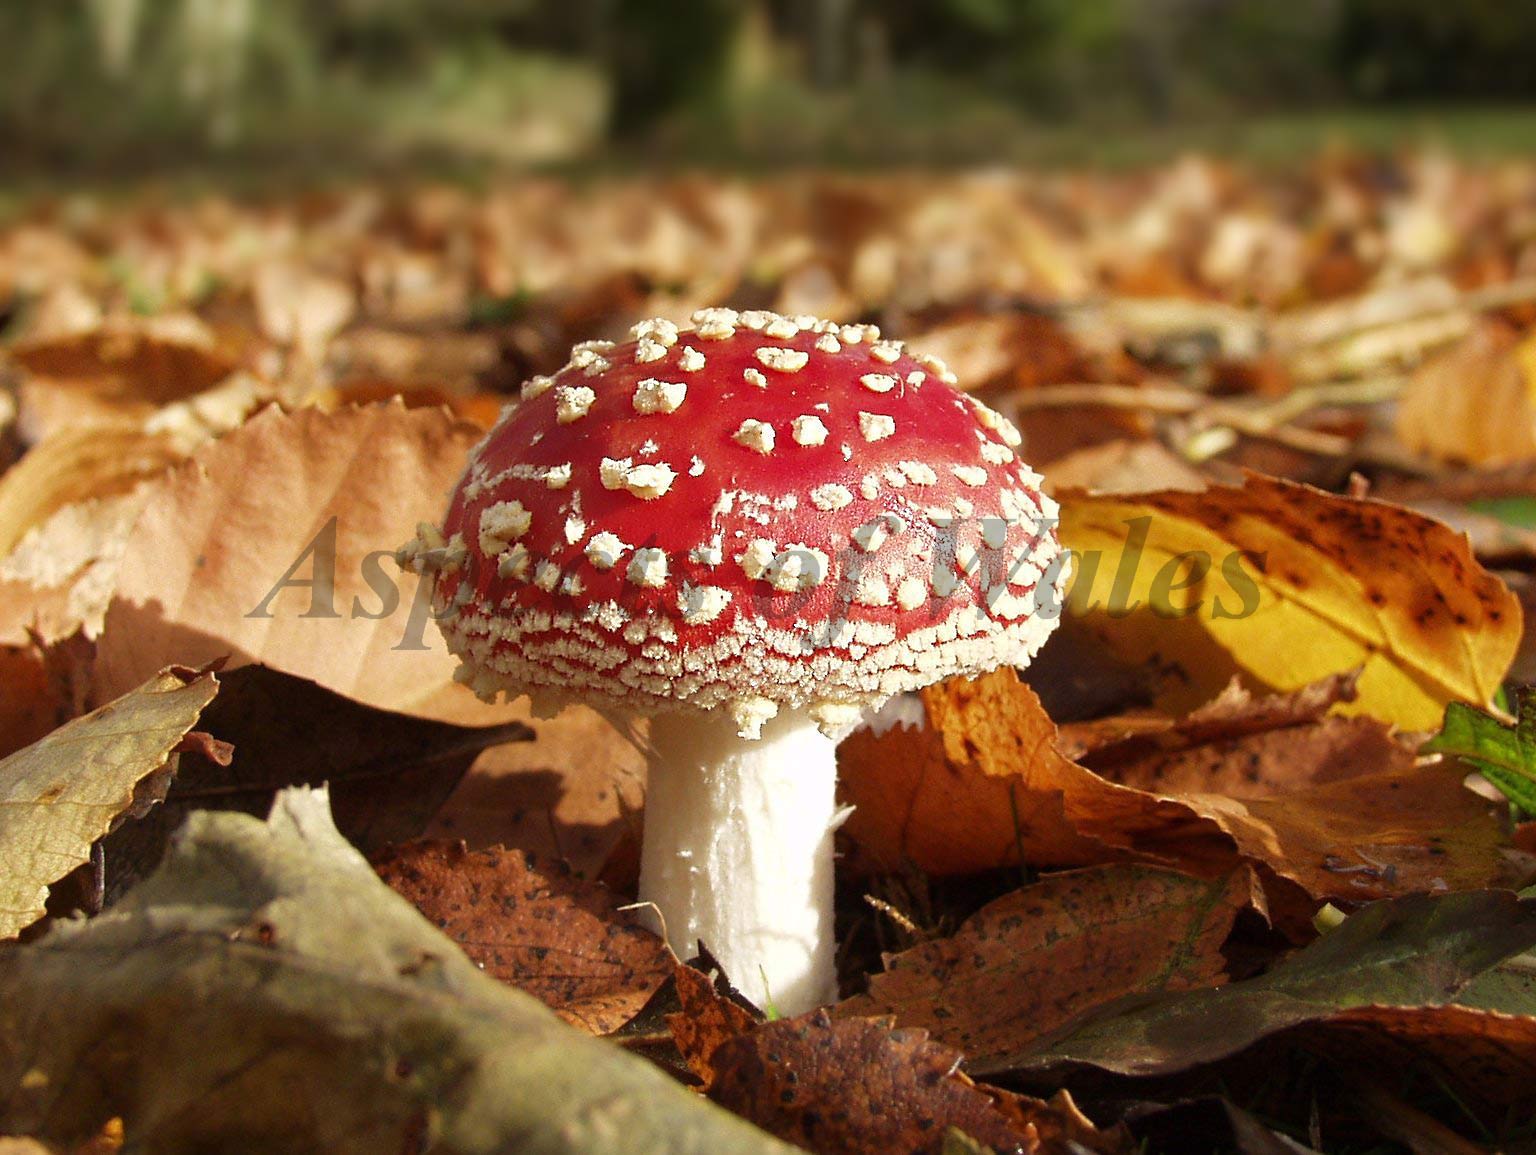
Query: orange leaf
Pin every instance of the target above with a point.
(533, 925)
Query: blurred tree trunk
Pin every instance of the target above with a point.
(831, 60)
(662, 54)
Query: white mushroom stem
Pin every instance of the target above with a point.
(738, 851)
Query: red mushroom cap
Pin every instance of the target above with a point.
(760, 512)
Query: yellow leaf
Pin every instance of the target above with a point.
(1288, 585)
(62, 793)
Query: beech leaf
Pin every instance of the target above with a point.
(65, 791)
(1289, 585)
(982, 785)
(274, 544)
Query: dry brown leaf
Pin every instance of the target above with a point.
(982, 785)
(1124, 467)
(298, 307)
(1025, 964)
(1370, 837)
(1263, 764)
(451, 359)
(31, 706)
(1488, 1058)
(1019, 349)
(274, 544)
(796, 1079)
(1290, 585)
(60, 577)
(530, 923)
(149, 360)
(62, 793)
(23, 1147)
(1475, 402)
(565, 795)
(1240, 745)
(26, 609)
(74, 466)
(707, 1020)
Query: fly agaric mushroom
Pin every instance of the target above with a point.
(750, 532)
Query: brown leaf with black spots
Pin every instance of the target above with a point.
(1024, 965)
(1376, 836)
(707, 1019)
(532, 924)
(854, 1086)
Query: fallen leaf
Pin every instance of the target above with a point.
(707, 1019)
(792, 1079)
(1486, 1058)
(1503, 754)
(30, 704)
(1240, 745)
(1027, 963)
(1124, 467)
(1411, 952)
(62, 793)
(274, 545)
(388, 773)
(1020, 349)
(61, 575)
(572, 795)
(265, 991)
(1493, 424)
(1289, 585)
(75, 465)
(982, 785)
(150, 360)
(1369, 837)
(533, 925)
(298, 307)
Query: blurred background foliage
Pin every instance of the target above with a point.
(133, 85)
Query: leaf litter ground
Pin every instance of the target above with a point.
(1194, 873)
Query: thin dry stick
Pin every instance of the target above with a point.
(1270, 421)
